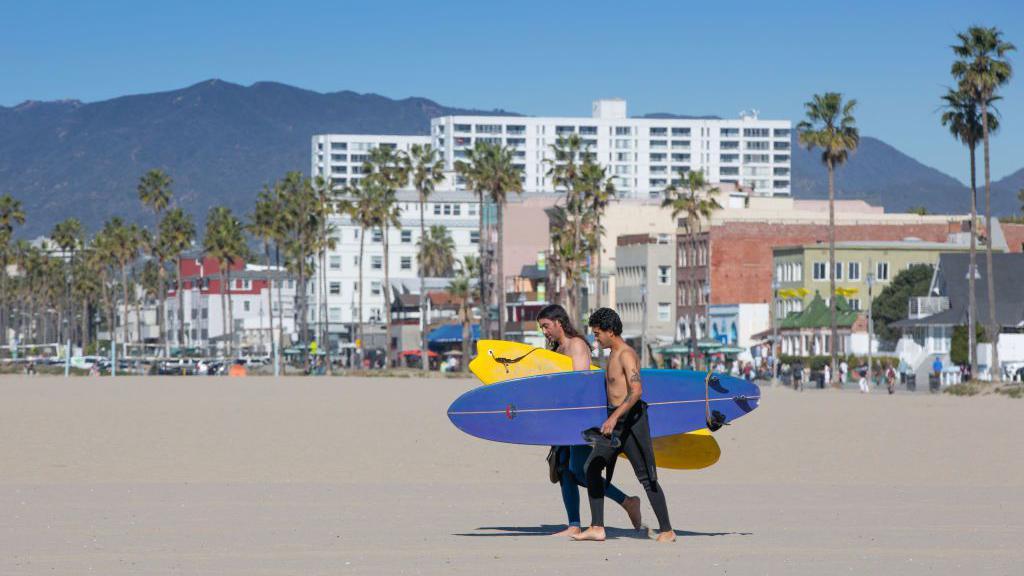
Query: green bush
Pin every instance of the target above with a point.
(963, 389)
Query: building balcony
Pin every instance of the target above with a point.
(925, 306)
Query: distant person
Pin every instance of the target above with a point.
(826, 375)
(627, 420)
(863, 383)
(937, 366)
(890, 378)
(563, 338)
(798, 375)
(844, 372)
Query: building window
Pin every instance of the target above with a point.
(406, 236)
(334, 314)
(377, 235)
(882, 271)
(472, 209)
(406, 262)
(839, 270)
(820, 271)
(334, 288)
(355, 260)
(663, 275)
(376, 262)
(335, 262)
(245, 305)
(854, 303)
(664, 312)
(474, 236)
(854, 271)
(375, 288)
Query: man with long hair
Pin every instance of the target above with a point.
(563, 338)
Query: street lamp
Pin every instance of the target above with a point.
(775, 331)
(871, 322)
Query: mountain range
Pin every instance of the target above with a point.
(222, 142)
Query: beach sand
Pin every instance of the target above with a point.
(259, 476)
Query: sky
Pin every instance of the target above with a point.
(536, 58)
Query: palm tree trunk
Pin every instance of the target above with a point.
(85, 325)
(124, 294)
(231, 314)
(280, 305)
(424, 360)
(362, 335)
(387, 302)
(181, 307)
(162, 311)
(223, 310)
(597, 286)
(834, 346)
(270, 301)
(464, 313)
(138, 320)
(997, 374)
(485, 331)
(500, 283)
(972, 310)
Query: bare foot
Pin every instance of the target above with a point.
(632, 507)
(594, 534)
(669, 536)
(570, 531)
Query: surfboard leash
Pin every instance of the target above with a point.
(506, 361)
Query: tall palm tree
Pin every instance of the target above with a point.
(68, 234)
(695, 201)
(567, 173)
(599, 191)
(86, 289)
(326, 206)
(123, 244)
(962, 116)
(436, 253)
(155, 193)
(496, 174)
(389, 171)
(469, 170)
(177, 233)
(359, 204)
(426, 169)
(262, 225)
(830, 125)
(225, 242)
(981, 70)
(11, 215)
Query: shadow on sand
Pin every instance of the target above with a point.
(610, 533)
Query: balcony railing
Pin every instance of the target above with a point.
(922, 307)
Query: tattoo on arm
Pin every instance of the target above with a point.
(635, 376)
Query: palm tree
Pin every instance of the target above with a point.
(390, 173)
(567, 174)
(11, 215)
(426, 168)
(177, 232)
(981, 69)
(262, 225)
(962, 117)
(830, 125)
(155, 191)
(359, 205)
(122, 243)
(461, 287)
(326, 206)
(492, 171)
(695, 201)
(68, 235)
(599, 191)
(86, 288)
(436, 254)
(225, 242)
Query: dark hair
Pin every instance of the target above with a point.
(557, 314)
(607, 320)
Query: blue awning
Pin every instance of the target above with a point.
(450, 333)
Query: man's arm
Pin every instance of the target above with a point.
(631, 371)
(580, 354)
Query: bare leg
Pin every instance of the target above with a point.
(632, 507)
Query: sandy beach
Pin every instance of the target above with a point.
(260, 476)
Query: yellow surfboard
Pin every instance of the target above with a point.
(497, 361)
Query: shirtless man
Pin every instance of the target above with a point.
(627, 420)
(563, 338)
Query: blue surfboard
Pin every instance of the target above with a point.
(555, 409)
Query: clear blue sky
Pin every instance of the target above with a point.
(538, 58)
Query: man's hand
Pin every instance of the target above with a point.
(609, 426)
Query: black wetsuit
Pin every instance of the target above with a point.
(634, 433)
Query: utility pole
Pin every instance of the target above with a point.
(775, 331)
(871, 322)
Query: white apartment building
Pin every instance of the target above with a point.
(341, 156)
(457, 211)
(643, 154)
